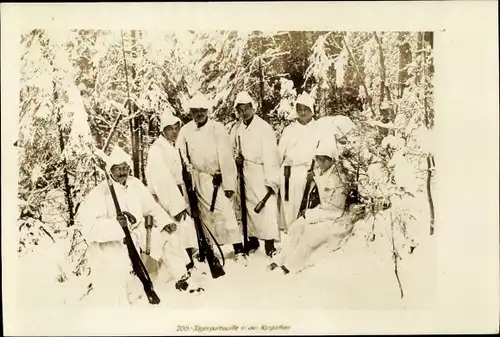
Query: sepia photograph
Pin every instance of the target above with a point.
(177, 164)
(226, 169)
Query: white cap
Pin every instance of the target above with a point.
(341, 125)
(168, 119)
(396, 142)
(117, 157)
(305, 99)
(327, 147)
(244, 98)
(199, 101)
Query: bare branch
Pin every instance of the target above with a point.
(50, 236)
(395, 257)
(359, 75)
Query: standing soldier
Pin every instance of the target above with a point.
(164, 176)
(206, 149)
(255, 142)
(296, 152)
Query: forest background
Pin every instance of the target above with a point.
(74, 84)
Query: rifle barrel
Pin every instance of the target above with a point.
(244, 210)
(205, 249)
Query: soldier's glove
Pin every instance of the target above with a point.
(181, 216)
(217, 179)
(229, 194)
(270, 189)
(170, 228)
(196, 254)
(310, 175)
(239, 160)
(122, 220)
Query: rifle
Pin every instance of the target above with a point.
(205, 249)
(242, 197)
(262, 203)
(217, 181)
(137, 265)
(287, 173)
(148, 223)
(305, 196)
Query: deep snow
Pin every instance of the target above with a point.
(360, 275)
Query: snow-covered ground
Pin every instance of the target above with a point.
(360, 275)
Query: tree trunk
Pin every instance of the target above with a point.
(141, 149)
(428, 124)
(419, 53)
(136, 126)
(132, 109)
(261, 89)
(404, 59)
(67, 186)
(382, 68)
(358, 73)
(430, 160)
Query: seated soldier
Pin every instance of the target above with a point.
(327, 223)
(114, 283)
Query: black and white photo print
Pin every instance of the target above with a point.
(180, 169)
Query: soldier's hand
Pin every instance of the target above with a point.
(122, 220)
(239, 160)
(310, 175)
(217, 179)
(170, 228)
(196, 254)
(269, 189)
(229, 194)
(181, 216)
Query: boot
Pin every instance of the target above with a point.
(190, 252)
(285, 270)
(272, 266)
(238, 248)
(253, 245)
(270, 249)
(183, 284)
(239, 253)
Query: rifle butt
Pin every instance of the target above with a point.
(259, 207)
(214, 264)
(148, 223)
(214, 199)
(287, 173)
(152, 296)
(262, 203)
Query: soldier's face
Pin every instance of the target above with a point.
(304, 114)
(199, 115)
(120, 172)
(324, 163)
(342, 143)
(171, 132)
(245, 111)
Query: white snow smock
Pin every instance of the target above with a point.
(210, 152)
(261, 169)
(296, 149)
(164, 177)
(324, 226)
(108, 258)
